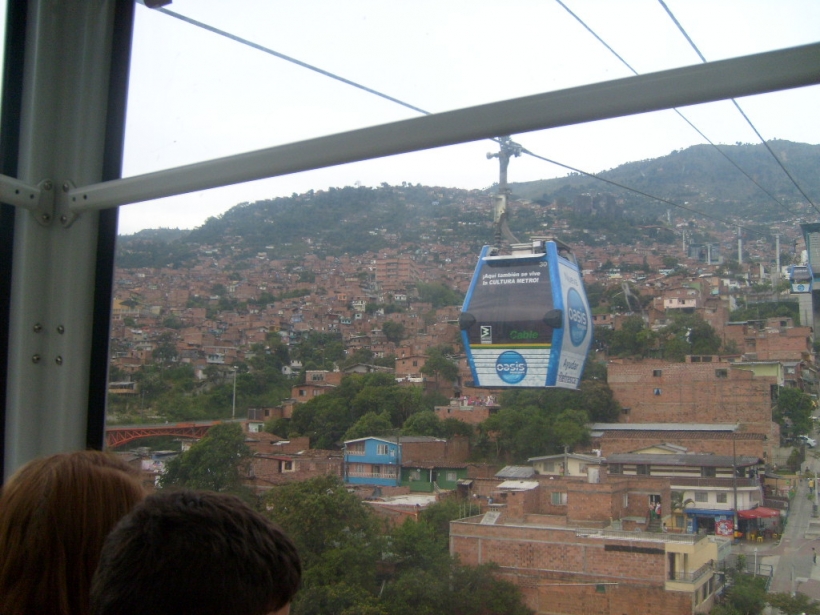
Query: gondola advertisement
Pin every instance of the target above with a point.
(526, 321)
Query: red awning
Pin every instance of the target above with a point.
(758, 513)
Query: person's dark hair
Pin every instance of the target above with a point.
(195, 552)
(55, 513)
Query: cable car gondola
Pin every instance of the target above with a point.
(801, 278)
(526, 321)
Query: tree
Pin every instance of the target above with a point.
(678, 503)
(424, 423)
(793, 605)
(746, 596)
(688, 334)
(320, 516)
(393, 331)
(632, 339)
(439, 366)
(371, 424)
(793, 411)
(216, 463)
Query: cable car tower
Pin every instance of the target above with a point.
(526, 320)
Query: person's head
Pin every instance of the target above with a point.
(192, 552)
(55, 513)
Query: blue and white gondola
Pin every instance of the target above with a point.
(526, 320)
(801, 279)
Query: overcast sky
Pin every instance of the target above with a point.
(195, 95)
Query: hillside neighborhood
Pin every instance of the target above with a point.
(708, 364)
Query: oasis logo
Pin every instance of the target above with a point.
(578, 319)
(511, 367)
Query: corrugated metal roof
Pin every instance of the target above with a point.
(518, 485)
(516, 472)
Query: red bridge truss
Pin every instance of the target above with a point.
(123, 434)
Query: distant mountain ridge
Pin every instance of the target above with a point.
(702, 175)
(355, 220)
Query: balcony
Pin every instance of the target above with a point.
(728, 482)
(691, 577)
(372, 475)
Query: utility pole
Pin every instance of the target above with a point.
(734, 478)
(233, 408)
(739, 247)
(507, 149)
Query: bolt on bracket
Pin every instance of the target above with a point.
(38, 199)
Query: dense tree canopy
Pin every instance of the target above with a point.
(355, 565)
(793, 412)
(216, 463)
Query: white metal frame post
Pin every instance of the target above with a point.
(67, 58)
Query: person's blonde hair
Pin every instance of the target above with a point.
(55, 513)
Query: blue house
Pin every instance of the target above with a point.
(372, 461)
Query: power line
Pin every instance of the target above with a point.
(369, 90)
(737, 106)
(287, 58)
(682, 116)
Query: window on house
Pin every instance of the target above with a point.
(616, 468)
(642, 469)
(451, 477)
(356, 448)
(414, 475)
(376, 470)
(415, 363)
(678, 522)
(625, 410)
(558, 498)
(626, 500)
(287, 466)
(722, 498)
(707, 472)
(657, 373)
(302, 392)
(657, 391)
(721, 373)
(382, 449)
(549, 466)
(701, 496)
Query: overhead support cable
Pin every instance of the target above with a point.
(737, 106)
(682, 116)
(288, 58)
(369, 90)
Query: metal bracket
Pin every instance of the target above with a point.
(64, 199)
(39, 200)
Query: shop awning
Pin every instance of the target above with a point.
(758, 513)
(708, 512)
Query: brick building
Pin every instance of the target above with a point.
(705, 392)
(718, 438)
(271, 469)
(472, 410)
(575, 547)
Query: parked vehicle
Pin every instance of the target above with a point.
(810, 442)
